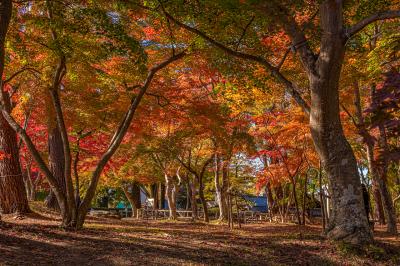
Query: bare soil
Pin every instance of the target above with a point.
(37, 240)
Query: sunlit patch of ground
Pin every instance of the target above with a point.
(37, 240)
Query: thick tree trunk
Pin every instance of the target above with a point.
(56, 164)
(13, 197)
(348, 221)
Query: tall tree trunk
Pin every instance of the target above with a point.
(13, 197)
(162, 196)
(375, 184)
(12, 191)
(188, 195)
(56, 163)
(220, 189)
(270, 199)
(30, 187)
(193, 200)
(348, 221)
(133, 197)
(321, 197)
(203, 199)
(304, 200)
(224, 189)
(382, 166)
(296, 202)
(169, 187)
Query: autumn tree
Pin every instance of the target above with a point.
(320, 51)
(12, 193)
(73, 214)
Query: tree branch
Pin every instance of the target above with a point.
(291, 88)
(30, 69)
(122, 130)
(32, 149)
(159, 97)
(244, 33)
(388, 14)
(295, 32)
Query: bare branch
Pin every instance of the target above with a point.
(388, 14)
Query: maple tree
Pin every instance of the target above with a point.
(74, 214)
(12, 197)
(321, 57)
(212, 99)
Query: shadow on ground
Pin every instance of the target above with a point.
(36, 241)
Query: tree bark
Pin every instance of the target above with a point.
(348, 221)
(220, 188)
(304, 201)
(12, 191)
(13, 196)
(169, 187)
(193, 201)
(203, 199)
(56, 163)
(133, 197)
(382, 165)
(379, 212)
(188, 195)
(296, 202)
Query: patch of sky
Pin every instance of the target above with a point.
(25, 8)
(148, 43)
(114, 16)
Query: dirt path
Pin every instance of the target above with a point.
(37, 240)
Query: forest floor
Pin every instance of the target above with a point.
(37, 240)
